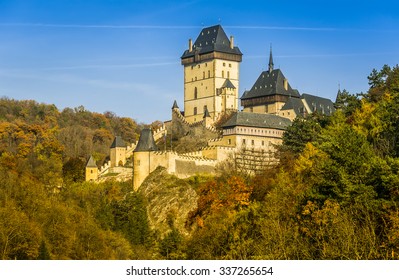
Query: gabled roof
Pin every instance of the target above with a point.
(257, 120)
(212, 39)
(228, 84)
(91, 162)
(118, 143)
(146, 141)
(295, 104)
(318, 104)
(270, 83)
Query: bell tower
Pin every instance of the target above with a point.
(211, 75)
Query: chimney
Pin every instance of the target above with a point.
(285, 84)
(190, 45)
(231, 42)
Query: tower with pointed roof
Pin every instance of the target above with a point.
(142, 163)
(211, 74)
(91, 170)
(269, 93)
(118, 152)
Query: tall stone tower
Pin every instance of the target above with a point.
(142, 164)
(211, 74)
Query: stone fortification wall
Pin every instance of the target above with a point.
(180, 127)
(179, 165)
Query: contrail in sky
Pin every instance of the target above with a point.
(259, 27)
(106, 26)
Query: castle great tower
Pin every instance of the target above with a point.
(211, 75)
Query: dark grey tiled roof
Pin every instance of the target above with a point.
(295, 104)
(175, 105)
(146, 142)
(228, 84)
(118, 142)
(91, 162)
(257, 120)
(270, 83)
(212, 39)
(206, 113)
(319, 104)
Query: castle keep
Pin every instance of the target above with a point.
(211, 88)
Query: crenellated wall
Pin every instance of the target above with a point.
(180, 165)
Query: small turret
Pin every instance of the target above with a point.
(207, 118)
(175, 105)
(91, 170)
(118, 152)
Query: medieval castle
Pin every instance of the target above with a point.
(211, 91)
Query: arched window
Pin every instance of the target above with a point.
(195, 93)
(222, 74)
(195, 110)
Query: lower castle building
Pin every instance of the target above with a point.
(211, 80)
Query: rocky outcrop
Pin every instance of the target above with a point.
(169, 199)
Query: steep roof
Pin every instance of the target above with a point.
(206, 113)
(91, 162)
(270, 83)
(319, 104)
(175, 105)
(212, 39)
(257, 120)
(295, 104)
(118, 143)
(146, 141)
(228, 84)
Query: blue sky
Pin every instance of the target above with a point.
(124, 56)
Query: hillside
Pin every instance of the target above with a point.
(333, 195)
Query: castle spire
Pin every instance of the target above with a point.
(271, 64)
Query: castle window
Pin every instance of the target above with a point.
(209, 73)
(253, 142)
(195, 110)
(228, 74)
(266, 109)
(229, 64)
(263, 143)
(222, 74)
(243, 141)
(199, 66)
(195, 93)
(206, 64)
(224, 64)
(203, 75)
(229, 141)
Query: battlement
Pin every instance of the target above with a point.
(160, 132)
(200, 123)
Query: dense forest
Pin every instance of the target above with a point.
(333, 195)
